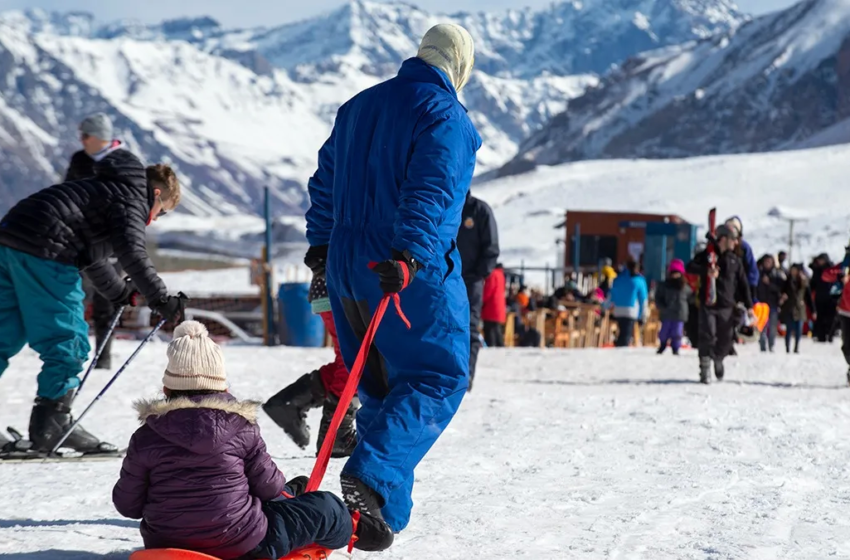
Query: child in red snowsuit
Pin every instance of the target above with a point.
(321, 387)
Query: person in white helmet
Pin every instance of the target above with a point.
(386, 205)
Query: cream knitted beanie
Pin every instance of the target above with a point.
(195, 363)
(450, 48)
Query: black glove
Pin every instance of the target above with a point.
(130, 296)
(171, 308)
(297, 485)
(316, 259)
(397, 273)
(640, 322)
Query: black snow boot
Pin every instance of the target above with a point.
(373, 533)
(49, 421)
(705, 370)
(289, 407)
(662, 348)
(346, 437)
(105, 360)
(718, 370)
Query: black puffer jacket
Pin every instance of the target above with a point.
(81, 167)
(477, 240)
(82, 223)
(671, 299)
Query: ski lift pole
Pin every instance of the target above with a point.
(79, 419)
(269, 330)
(101, 347)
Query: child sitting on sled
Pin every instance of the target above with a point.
(198, 475)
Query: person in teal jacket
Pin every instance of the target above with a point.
(629, 299)
(385, 211)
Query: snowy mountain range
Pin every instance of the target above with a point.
(237, 109)
(777, 82)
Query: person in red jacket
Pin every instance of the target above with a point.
(494, 308)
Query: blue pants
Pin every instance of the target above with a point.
(41, 303)
(795, 329)
(768, 335)
(672, 331)
(315, 518)
(415, 378)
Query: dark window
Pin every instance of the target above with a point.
(592, 249)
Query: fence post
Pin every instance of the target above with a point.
(269, 326)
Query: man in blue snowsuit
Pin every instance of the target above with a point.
(390, 186)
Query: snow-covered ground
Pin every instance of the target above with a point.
(556, 454)
(811, 183)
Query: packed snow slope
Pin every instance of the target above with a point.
(556, 454)
(810, 183)
(237, 109)
(775, 82)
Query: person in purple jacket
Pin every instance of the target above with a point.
(198, 475)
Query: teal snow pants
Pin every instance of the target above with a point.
(41, 304)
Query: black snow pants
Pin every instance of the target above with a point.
(716, 331)
(825, 325)
(475, 293)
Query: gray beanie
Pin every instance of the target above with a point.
(98, 125)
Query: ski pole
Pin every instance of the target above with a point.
(101, 347)
(73, 427)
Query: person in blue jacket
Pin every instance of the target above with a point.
(745, 252)
(389, 189)
(629, 298)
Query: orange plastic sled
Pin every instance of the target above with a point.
(308, 553)
(762, 313)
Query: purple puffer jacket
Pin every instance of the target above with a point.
(196, 472)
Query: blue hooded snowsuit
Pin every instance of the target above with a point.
(394, 175)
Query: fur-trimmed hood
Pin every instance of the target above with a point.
(200, 424)
(160, 407)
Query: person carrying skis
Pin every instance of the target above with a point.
(45, 241)
(795, 301)
(671, 299)
(96, 136)
(390, 187)
(717, 320)
(322, 387)
(198, 475)
(478, 244)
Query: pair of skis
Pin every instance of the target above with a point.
(711, 252)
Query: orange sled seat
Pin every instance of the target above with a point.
(308, 553)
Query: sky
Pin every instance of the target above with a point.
(243, 13)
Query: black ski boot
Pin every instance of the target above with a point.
(719, 370)
(705, 371)
(105, 360)
(346, 437)
(373, 533)
(49, 421)
(289, 407)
